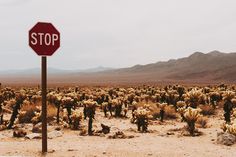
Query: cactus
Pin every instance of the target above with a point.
(162, 110)
(181, 106)
(228, 105)
(104, 108)
(90, 112)
(76, 118)
(20, 97)
(141, 116)
(191, 115)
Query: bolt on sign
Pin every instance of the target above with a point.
(44, 39)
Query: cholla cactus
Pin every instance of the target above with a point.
(231, 129)
(215, 97)
(104, 108)
(68, 103)
(228, 105)
(162, 107)
(55, 99)
(191, 115)
(37, 118)
(76, 118)
(233, 101)
(181, 111)
(90, 112)
(20, 97)
(141, 116)
(228, 95)
(181, 106)
(194, 97)
(118, 107)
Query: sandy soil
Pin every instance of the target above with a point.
(157, 143)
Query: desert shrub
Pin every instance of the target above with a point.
(51, 112)
(202, 122)
(170, 112)
(207, 109)
(27, 112)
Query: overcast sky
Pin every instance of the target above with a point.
(116, 33)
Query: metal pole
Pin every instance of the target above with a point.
(44, 104)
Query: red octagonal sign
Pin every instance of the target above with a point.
(44, 39)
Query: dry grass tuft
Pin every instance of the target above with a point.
(170, 113)
(207, 110)
(202, 122)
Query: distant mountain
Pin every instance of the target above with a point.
(36, 71)
(213, 67)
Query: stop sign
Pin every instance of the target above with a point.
(44, 39)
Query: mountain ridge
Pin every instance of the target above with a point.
(212, 67)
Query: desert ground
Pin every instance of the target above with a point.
(164, 139)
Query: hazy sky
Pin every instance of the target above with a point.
(116, 33)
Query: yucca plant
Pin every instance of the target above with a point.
(191, 115)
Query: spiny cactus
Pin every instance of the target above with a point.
(193, 97)
(90, 112)
(228, 105)
(104, 108)
(118, 107)
(181, 106)
(68, 103)
(191, 115)
(141, 116)
(76, 118)
(56, 99)
(162, 107)
(20, 97)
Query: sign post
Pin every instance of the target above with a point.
(44, 39)
(44, 104)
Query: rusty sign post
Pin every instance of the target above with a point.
(44, 39)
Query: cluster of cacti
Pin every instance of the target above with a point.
(141, 119)
(139, 101)
(194, 97)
